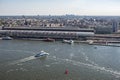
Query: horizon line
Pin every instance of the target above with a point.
(56, 15)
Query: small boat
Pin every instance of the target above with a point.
(48, 40)
(6, 38)
(68, 41)
(41, 54)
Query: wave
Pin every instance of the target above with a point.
(88, 60)
(92, 66)
(23, 60)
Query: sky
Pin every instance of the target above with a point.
(60, 7)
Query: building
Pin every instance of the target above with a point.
(115, 26)
(103, 30)
(46, 34)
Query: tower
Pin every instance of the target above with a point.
(115, 26)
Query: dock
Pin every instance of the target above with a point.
(111, 45)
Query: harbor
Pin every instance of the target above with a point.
(59, 39)
(46, 49)
(82, 61)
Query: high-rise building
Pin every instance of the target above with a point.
(115, 26)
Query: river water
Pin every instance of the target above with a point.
(83, 62)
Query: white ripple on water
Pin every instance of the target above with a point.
(23, 60)
(71, 55)
(47, 65)
(10, 70)
(87, 59)
(17, 69)
(116, 73)
(95, 67)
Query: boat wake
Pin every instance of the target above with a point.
(71, 56)
(86, 65)
(22, 60)
(88, 60)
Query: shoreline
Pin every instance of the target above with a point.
(59, 34)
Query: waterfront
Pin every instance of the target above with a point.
(84, 62)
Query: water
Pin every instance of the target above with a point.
(84, 62)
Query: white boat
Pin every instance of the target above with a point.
(41, 54)
(6, 38)
(68, 41)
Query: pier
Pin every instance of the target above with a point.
(111, 45)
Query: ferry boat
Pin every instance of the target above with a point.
(6, 38)
(41, 54)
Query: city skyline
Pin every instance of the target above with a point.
(60, 7)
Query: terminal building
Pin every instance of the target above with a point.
(46, 34)
(57, 33)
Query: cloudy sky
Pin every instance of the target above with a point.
(60, 7)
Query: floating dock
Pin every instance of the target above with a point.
(111, 45)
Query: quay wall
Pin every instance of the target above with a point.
(45, 34)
